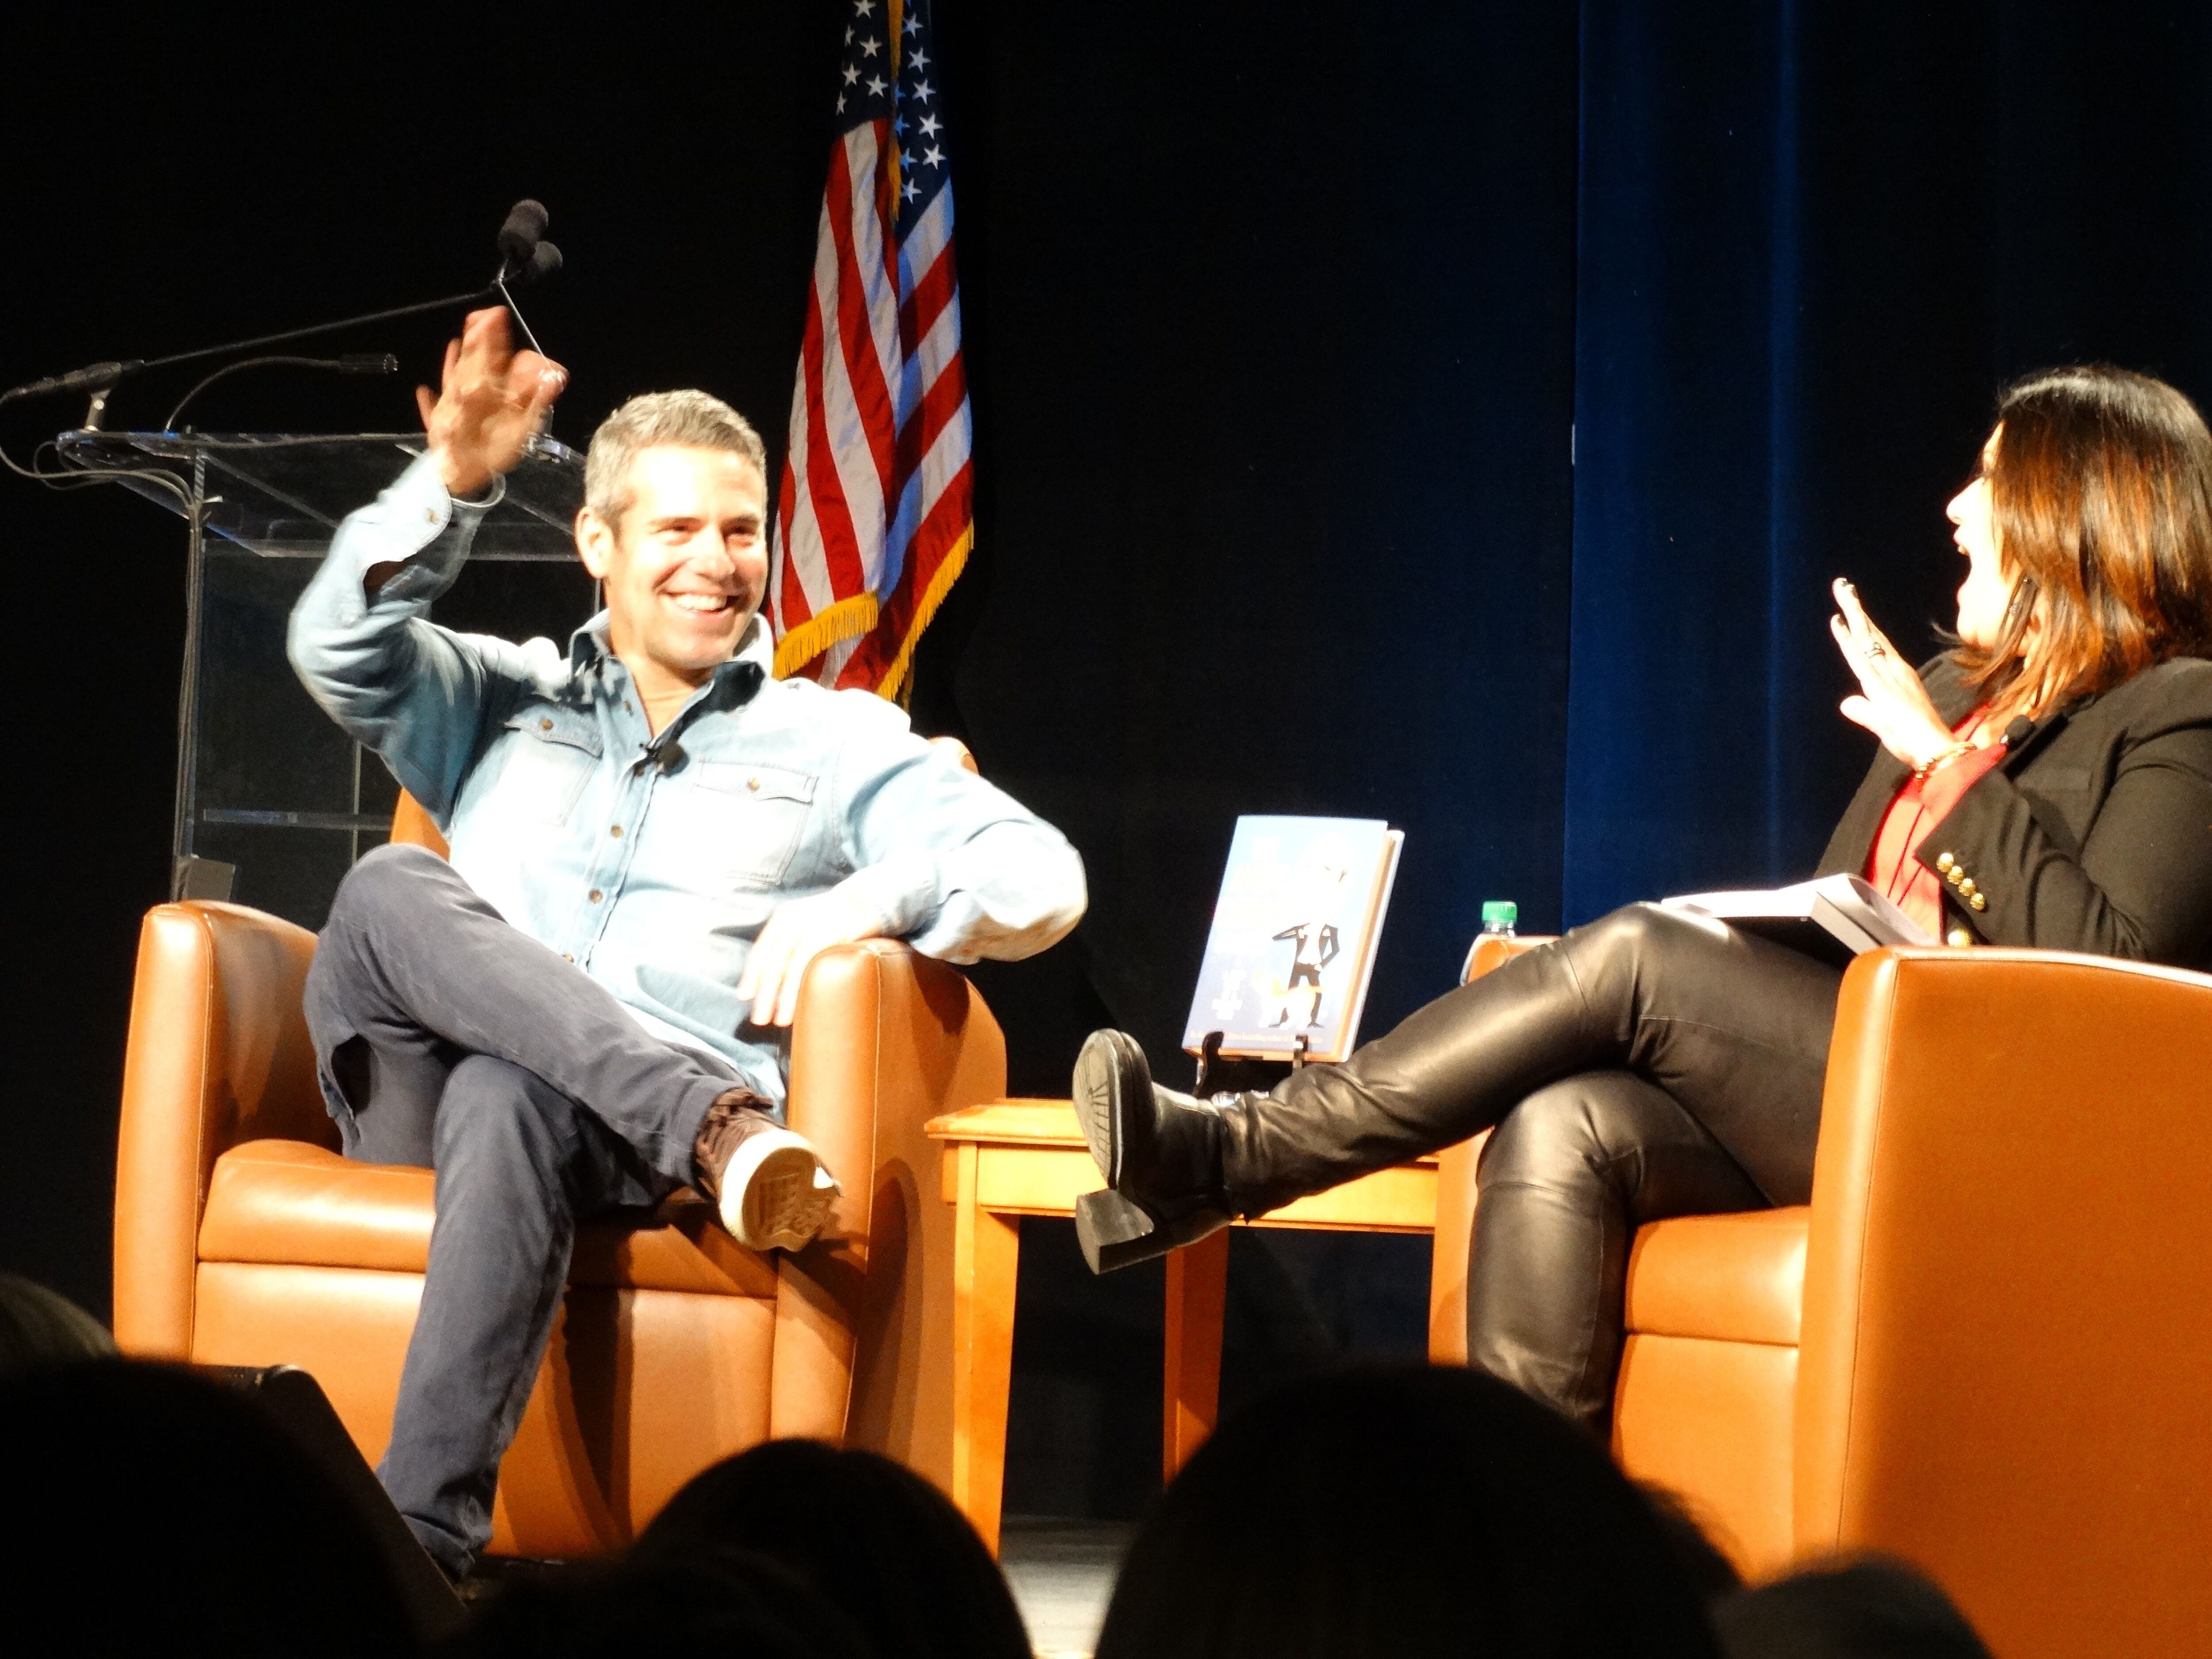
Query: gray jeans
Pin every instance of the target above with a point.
(447, 1039)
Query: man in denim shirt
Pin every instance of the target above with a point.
(589, 1005)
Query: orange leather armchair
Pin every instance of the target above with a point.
(242, 1237)
(1986, 1345)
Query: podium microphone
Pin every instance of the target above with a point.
(95, 377)
(354, 363)
(519, 236)
(524, 257)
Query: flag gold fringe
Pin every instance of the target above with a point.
(940, 584)
(847, 619)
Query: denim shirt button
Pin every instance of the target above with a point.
(597, 896)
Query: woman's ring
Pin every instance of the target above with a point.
(1873, 648)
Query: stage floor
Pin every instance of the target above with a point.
(1062, 1574)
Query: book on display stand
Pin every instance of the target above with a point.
(1292, 946)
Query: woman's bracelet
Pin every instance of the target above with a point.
(1921, 772)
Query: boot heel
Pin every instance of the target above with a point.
(1116, 1233)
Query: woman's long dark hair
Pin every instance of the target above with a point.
(2101, 494)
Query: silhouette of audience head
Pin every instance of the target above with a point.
(154, 1510)
(1711, 1573)
(881, 1544)
(1870, 1609)
(1371, 1512)
(38, 1327)
(1402, 1511)
(698, 1597)
(793, 1549)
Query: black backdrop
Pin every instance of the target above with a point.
(1443, 413)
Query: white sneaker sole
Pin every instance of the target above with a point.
(776, 1194)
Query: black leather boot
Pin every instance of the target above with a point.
(1733, 1027)
(1160, 1153)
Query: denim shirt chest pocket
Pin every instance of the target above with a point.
(550, 755)
(743, 821)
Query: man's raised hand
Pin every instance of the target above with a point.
(492, 400)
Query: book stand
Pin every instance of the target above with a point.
(1235, 1075)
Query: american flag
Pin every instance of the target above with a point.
(875, 516)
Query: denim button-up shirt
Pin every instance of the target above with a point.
(651, 861)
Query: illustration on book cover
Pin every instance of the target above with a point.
(1293, 935)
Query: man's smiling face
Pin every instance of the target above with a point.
(686, 568)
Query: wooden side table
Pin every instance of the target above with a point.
(1010, 1158)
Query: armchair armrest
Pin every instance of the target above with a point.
(2008, 1287)
(885, 1039)
(218, 1052)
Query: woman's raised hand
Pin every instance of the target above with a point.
(1891, 702)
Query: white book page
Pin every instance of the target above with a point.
(1780, 901)
(1395, 843)
(1855, 900)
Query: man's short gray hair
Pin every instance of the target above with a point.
(690, 420)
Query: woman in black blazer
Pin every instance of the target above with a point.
(2046, 782)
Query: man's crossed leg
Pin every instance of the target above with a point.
(446, 1037)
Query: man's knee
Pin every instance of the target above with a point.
(386, 881)
(383, 889)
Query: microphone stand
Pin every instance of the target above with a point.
(100, 380)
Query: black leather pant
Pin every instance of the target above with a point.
(1646, 1066)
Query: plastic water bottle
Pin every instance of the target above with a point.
(1498, 916)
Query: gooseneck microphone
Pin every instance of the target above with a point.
(354, 363)
(519, 236)
(93, 377)
(525, 257)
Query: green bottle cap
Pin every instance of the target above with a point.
(1500, 912)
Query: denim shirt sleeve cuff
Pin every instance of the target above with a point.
(415, 525)
(902, 889)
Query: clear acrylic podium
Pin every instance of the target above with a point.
(273, 801)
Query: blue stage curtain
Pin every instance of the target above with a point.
(1278, 318)
(1270, 321)
(1813, 239)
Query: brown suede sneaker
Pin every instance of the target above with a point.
(771, 1185)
